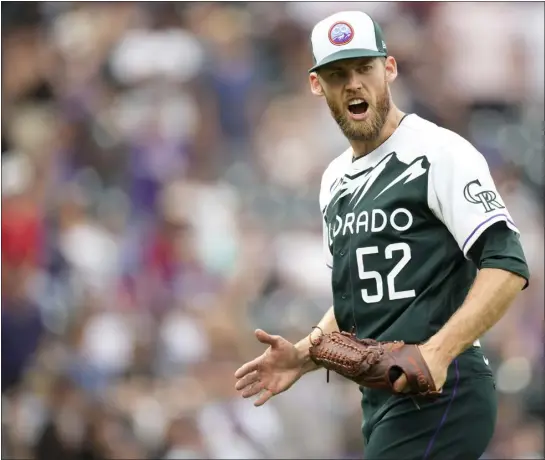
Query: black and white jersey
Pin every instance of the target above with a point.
(398, 224)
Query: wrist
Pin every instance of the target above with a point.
(303, 354)
(441, 350)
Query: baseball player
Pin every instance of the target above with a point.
(421, 249)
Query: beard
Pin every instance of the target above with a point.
(367, 130)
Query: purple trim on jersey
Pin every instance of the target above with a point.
(443, 420)
(485, 222)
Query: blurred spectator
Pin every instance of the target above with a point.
(160, 173)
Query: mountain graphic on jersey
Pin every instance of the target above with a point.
(374, 182)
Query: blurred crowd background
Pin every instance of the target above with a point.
(160, 173)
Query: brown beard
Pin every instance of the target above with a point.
(368, 130)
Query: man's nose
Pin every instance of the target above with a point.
(353, 81)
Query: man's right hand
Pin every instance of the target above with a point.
(273, 372)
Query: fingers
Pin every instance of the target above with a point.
(263, 398)
(251, 386)
(267, 339)
(247, 368)
(251, 366)
(400, 384)
(252, 390)
(248, 379)
(248, 376)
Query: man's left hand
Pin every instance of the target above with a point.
(437, 364)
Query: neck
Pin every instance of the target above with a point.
(362, 148)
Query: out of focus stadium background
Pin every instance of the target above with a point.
(160, 173)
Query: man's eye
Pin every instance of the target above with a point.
(336, 74)
(366, 68)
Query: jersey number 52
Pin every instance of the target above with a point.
(390, 278)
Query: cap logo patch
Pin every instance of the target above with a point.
(341, 33)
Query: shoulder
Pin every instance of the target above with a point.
(334, 171)
(337, 167)
(455, 155)
(440, 145)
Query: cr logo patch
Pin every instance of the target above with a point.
(485, 197)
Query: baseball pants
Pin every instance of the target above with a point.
(458, 425)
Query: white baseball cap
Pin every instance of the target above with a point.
(345, 35)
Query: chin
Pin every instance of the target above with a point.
(363, 127)
(362, 137)
(362, 131)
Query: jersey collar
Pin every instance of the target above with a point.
(372, 158)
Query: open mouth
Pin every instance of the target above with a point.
(357, 106)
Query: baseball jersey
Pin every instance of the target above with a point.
(398, 225)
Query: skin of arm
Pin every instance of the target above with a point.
(489, 298)
(327, 324)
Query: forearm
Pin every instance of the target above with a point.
(487, 301)
(327, 325)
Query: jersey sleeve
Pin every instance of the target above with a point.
(328, 257)
(325, 196)
(463, 195)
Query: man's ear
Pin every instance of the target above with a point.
(390, 65)
(315, 85)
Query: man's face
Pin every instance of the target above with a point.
(356, 91)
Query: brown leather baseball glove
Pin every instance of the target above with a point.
(373, 364)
